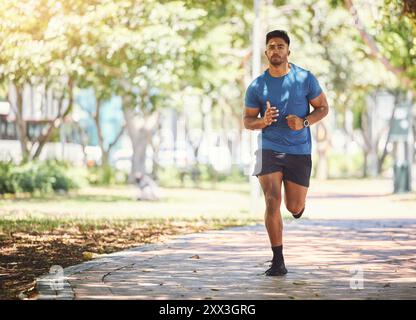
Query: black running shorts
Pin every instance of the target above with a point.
(295, 167)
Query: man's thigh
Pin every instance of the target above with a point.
(271, 183)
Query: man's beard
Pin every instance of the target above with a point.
(276, 61)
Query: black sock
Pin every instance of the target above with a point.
(278, 254)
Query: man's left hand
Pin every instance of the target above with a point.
(294, 122)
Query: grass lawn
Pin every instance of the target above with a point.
(36, 233)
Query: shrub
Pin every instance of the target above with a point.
(345, 166)
(168, 176)
(35, 176)
(58, 171)
(106, 176)
(7, 183)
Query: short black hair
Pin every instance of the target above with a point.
(278, 34)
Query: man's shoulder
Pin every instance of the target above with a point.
(300, 70)
(302, 75)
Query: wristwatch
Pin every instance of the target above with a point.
(306, 122)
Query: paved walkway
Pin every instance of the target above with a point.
(324, 259)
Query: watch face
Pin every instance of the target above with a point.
(306, 123)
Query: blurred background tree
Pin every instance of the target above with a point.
(189, 62)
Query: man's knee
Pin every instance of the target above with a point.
(272, 201)
(295, 207)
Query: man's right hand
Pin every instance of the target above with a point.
(270, 115)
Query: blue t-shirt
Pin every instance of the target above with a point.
(290, 94)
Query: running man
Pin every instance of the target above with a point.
(282, 95)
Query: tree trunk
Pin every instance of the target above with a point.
(323, 145)
(17, 106)
(105, 150)
(365, 166)
(239, 139)
(371, 140)
(54, 124)
(32, 150)
(414, 137)
(384, 154)
(140, 130)
(196, 145)
(372, 161)
(156, 148)
(83, 140)
(97, 121)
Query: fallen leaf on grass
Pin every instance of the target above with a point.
(86, 255)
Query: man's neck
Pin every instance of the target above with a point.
(280, 70)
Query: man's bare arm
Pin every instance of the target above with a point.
(321, 109)
(252, 122)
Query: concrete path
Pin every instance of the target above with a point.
(326, 259)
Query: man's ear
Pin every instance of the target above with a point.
(288, 53)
